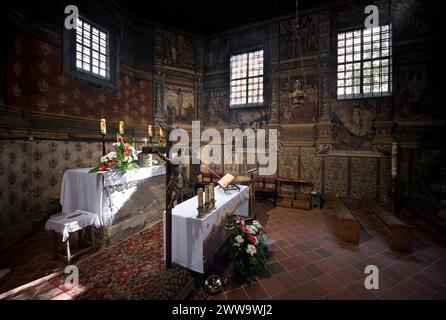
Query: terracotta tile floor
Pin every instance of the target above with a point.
(309, 262)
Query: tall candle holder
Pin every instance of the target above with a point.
(103, 131)
(211, 197)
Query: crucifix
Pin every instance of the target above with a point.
(173, 186)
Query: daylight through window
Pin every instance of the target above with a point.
(365, 63)
(92, 50)
(247, 79)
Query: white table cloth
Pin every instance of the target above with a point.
(72, 222)
(189, 233)
(94, 192)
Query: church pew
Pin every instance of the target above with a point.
(350, 225)
(402, 234)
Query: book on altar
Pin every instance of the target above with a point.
(226, 181)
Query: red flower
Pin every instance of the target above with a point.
(121, 138)
(111, 164)
(101, 168)
(127, 153)
(244, 229)
(239, 220)
(252, 239)
(126, 146)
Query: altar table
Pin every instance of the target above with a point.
(190, 233)
(103, 193)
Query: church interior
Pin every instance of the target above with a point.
(222, 150)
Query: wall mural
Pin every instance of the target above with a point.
(182, 100)
(307, 41)
(354, 123)
(217, 54)
(249, 118)
(413, 96)
(299, 99)
(412, 17)
(179, 50)
(216, 107)
(36, 82)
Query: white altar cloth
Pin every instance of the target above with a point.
(189, 233)
(71, 222)
(90, 191)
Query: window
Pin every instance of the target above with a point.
(247, 79)
(365, 63)
(92, 50)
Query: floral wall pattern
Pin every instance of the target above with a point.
(37, 83)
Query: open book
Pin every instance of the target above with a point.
(226, 181)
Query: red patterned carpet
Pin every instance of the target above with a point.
(122, 271)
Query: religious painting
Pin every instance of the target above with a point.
(353, 121)
(303, 44)
(412, 18)
(249, 118)
(299, 99)
(412, 96)
(217, 53)
(182, 100)
(179, 50)
(216, 107)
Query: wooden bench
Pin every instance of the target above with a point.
(350, 225)
(402, 233)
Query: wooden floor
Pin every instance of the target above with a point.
(309, 259)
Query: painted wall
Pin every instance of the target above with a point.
(341, 146)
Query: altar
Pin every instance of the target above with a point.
(194, 241)
(125, 203)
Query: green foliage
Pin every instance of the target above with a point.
(249, 263)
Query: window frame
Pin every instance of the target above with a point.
(113, 51)
(362, 60)
(247, 78)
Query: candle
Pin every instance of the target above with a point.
(103, 127)
(206, 194)
(200, 197)
(121, 128)
(161, 133)
(211, 191)
(150, 131)
(394, 159)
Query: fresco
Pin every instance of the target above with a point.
(182, 100)
(353, 121)
(249, 118)
(412, 18)
(305, 43)
(216, 107)
(217, 54)
(413, 94)
(179, 50)
(299, 99)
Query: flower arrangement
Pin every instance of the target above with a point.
(123, 159)
(249, 250)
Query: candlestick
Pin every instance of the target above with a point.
(103, 127)
(206, 195)
(121, 128)
(200, 197)
(161, 133)
(150, 131)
